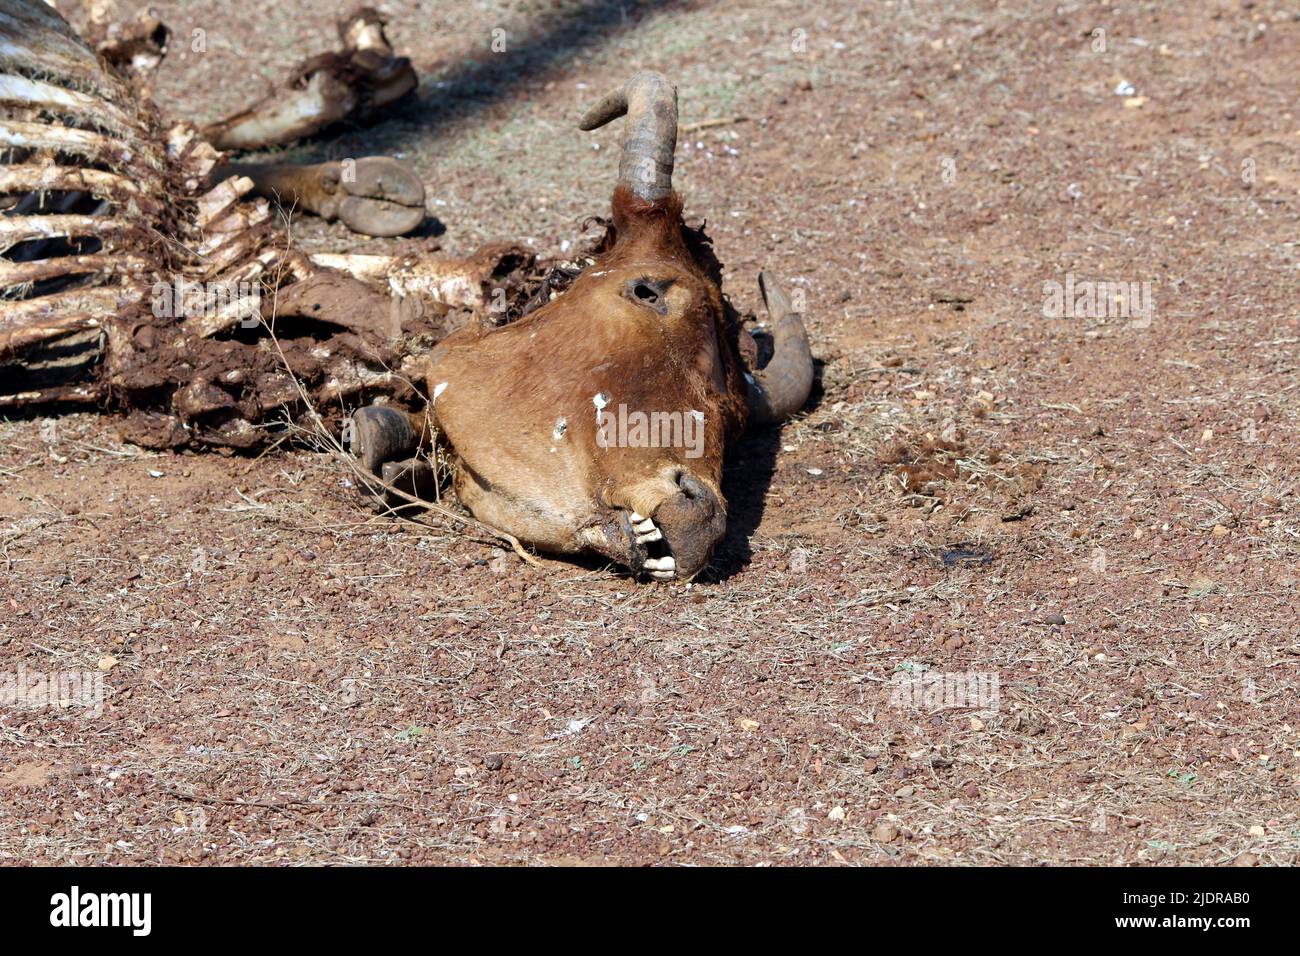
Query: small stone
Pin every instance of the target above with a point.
(494, 761)
(886, 832)
(107, 662)
(1257, 830)
(837, 814)
(905, 792)
(1246, 859)
(1055, 619)
(976, 724)
(1219, 531)
(972, 791)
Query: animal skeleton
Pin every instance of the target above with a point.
(104, 207)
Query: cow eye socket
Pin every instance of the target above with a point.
(651, 293)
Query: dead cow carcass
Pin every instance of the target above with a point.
(600, 421)
(597, 421)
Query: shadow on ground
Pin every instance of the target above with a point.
(465, 89)
(746, 477)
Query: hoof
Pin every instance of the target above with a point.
(384, 198)
(415, 476)
(381, 434)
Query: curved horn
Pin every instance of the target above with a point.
(781, 387)
(650, 139)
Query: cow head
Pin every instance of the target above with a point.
(599, 422)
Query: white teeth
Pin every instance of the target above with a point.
(662, 575)
(645, 531)
(660, 564)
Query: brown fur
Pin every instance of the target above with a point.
(500, 393)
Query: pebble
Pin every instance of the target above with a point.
(886, 832)
(1055, 619)
(494, 761)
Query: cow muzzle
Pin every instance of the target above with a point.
(678, 536)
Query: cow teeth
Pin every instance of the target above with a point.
(636, 518)
(662, 575)
(654, 534)
(661, 564)
(644, 527)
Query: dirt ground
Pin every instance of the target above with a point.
(1100, 512)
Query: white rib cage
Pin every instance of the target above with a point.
(99, 205)
(86, 179)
